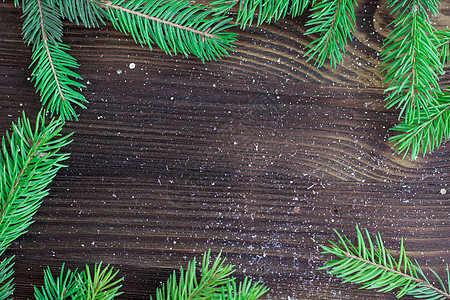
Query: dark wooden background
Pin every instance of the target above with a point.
(258, 155)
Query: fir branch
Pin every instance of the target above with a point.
(412, 60)
(428, 132)
(99, 285)
(28, 163)
(443, 46)
(245, 291)
(81, 11)
(173, 25)
(267, 11)
(41, 23)
(333, 21)
(215, 283)
(53, 79)
(6, 272)
(64, 287)
(374, 267)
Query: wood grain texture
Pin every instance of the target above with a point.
(176, 157)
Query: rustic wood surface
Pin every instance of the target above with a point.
(258, 155)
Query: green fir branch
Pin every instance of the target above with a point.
(371, 265)
(246, 290)
(333, 21)
(175, 26)
(100, 285)
(265, 11)
(6, 272)
(215, 283)
(81, 11)
(428, 133)
(29, 161)
(443, 46)
(65, 286)
(411, 59)
(52, 75)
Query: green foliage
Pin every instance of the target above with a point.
(427, 132)
(333, 21)
(52, 75)
(443, 45)
(6, 272)
(266, 11)
(81, 11)
(372, 266)
(215, 283)
(175, 26)
(412, 61)
(414, 55)
(65, 286)
(99, 285)
(29, 160)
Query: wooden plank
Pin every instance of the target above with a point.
(258, 155)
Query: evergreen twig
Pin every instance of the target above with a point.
(99, 285)
(52, 72)
(29, 160)
(215, 283)
(370, 264)
(428, 132)
(264, 11)
(175, 26)
(412, 60)
(333, 21)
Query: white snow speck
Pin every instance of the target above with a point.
(132, 66)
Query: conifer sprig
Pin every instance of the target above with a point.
(100, 285)
(443, 46)
(412, 60)
(371, 265)
(215, 283)
(333, 21)
(263, 11)
(29, 161)
(175, 26)
(65, 286)
(6, 272)
(86, 12)
(428, 132)
(52, 72)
